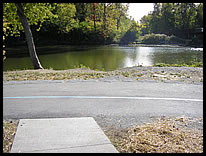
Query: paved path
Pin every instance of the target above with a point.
(61, 135)
(42, 99)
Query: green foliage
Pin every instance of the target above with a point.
(65, 17)
(10, 15)
(145, 24)
(179, 19)
(160, 39)
(167, 19)
(81, 66)
(199, 16)
(191, 64)
(132, 34)
(82, 11)
(102, 23)
(155, 38)
(36, 14)
(5, 28)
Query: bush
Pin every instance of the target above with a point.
(155, 38)
(160, 39)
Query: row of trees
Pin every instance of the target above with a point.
(179, 19)
(73, 22)
(100, 23)
(90, 23)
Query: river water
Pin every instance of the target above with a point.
(61, 57)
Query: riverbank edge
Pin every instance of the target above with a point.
(41, 47)
(136, 73)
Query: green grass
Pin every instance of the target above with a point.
(193, 64)
(81, 66)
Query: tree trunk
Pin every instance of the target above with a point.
(29, 37)
(94, 23)
(94, 9)
(104, 18)
(118, 20)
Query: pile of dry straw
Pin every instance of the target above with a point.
(163, 136)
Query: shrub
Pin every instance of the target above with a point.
(160, 39)
(155, 38)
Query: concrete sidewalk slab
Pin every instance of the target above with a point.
(61, 135)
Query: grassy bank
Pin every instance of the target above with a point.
(159, 72)
(192, 64)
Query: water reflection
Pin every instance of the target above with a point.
(104, 57)
(144, 56)
(97, 58)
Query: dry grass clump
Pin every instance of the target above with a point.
(52, 75)
(163, 136)
(9, 131)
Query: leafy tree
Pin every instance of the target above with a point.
(65, 17)
(185, 18)
(199, 16)
(132, 34)
(114, 20)
(187, 14)
(173, 19)
(145, 24)
(155, 20)
(5, 28)
(29, 37)
(20, 16)
(167, 23)
(121, 10)
(82, 11)
(73, 22)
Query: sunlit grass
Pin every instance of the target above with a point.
(192, 64)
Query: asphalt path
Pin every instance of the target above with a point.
(110, 103)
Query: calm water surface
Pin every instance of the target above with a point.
(60, 57)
